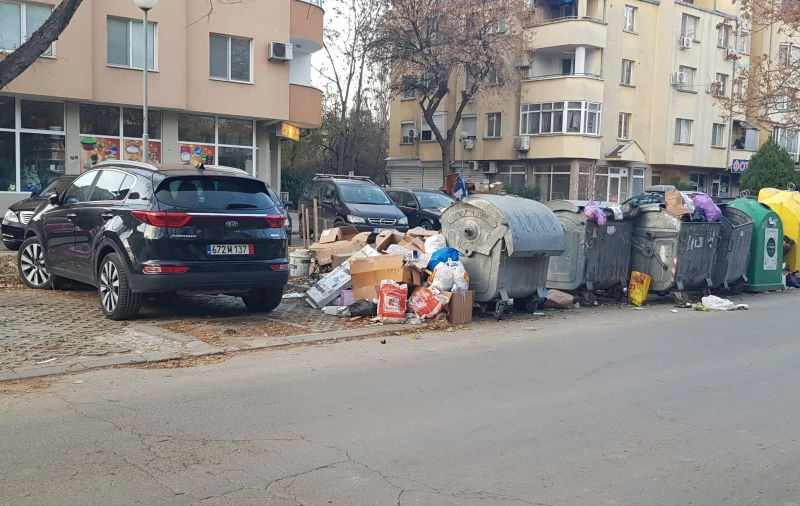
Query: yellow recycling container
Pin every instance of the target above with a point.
(787, 204)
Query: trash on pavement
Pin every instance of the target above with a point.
(714, 303)
(532, 328)
(329, 288)
(434, 243)
(426, 303)
(450, 276)
(363, 308)
(334, 310)
(334, 241)
(638, 288)
(557, 299)
(392, 299)
(673, 310)
(293, 296)
(47, 361)
(459, 306)
(699, 307)
(443, 255)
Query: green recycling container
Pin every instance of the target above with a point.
(765, 269)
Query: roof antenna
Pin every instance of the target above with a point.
(200, 166)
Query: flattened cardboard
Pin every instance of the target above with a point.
(325, 248)
(386, 239)
(413, 276)
(371, 271)
(674, 202)
(421, 232)
(339, 258)
(459, 309)
(337, 234)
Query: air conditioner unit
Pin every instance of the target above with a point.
(473, 166)
(730, 53)
(678, 78)
(522, 143)
(468, 143)
(412, 134)
(280, 51)
(686, 42)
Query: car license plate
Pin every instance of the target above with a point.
(379, 230)
(229, 249)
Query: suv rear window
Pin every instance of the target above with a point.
(214, 192)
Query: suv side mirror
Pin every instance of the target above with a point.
(53, 199)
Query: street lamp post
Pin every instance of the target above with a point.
(145, 5)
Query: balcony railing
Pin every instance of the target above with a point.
(530, 22)
(558, 76)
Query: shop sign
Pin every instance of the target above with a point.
(739, 166)
(288, 131)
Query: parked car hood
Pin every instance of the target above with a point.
(376, 211)
(29, 204)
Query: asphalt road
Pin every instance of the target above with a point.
(603, 407)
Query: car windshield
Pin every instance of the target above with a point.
(214, 192)
(51, 188)
(363, 194)
(434, 200)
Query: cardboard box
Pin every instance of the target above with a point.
(483, 188)
(674, 202)
(386, 239)
(366, 293)
(371, 271)
(459, 309)
(335, 241)
(337, 234)
(421, 233)
(413, 276)
(329, 287)
(340, 258)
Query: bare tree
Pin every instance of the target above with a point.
(429, 43)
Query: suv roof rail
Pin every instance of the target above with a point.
(222, 167)
(342, 176)
(129, 163)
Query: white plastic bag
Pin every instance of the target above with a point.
(714, 303)
(434, 243)
(450, 276)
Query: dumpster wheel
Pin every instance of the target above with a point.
(499, 309)
(618, 293)
(680, 297)
(737, 288)
(587, 297)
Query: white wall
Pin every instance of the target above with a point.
(300, 69)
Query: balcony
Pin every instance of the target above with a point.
(305, 106)
(306, 19)
(565, 32)
(565, 146)
(553, 88)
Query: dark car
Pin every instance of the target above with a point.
(282, 208)
(353, 201)
(423, 208)
(20, 213)
(131, 229)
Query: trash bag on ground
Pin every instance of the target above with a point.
(392, 299)
(443, 255)
(638, 288)
(594, 213)
(450, 276)
(714, 303)
(699, 215)
(434, 243)
(365, 308)
(425, 303)
(704, 202)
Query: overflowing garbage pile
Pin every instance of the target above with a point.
(401, 278)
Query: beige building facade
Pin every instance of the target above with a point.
(224, 89)
(614, 97)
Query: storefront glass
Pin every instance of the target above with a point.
(42, 159)
(198, 129)
(100, 134)
(42, 115)
(7, 112)
(8, 162)
(220, 141)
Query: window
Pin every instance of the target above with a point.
(567, 66)
(469, 126)
(786, 138)
(192, 128)
(108, 186)
(548, 118)
(78, 191)
(42, 115)
(493, 78)
(744, 41)
(724, 38)
(630, 19)
(222, 141)
(689, 26)
(18, 21)
(99, 120)
(638, 181)
(214, 193)
(132, 124)
(718, 135)
(493, 125)
(738, 88)
(407, 127)
(784, 50)
(624, 130)
(512, 175)
(683, 131)
(627, 73)
(440, 120)
(553, 180)
(230, 58)
(235, 132)
(125, 44)
(409, 93)
(655, 177)
(721, 85)
(689, 84)
(785, 99)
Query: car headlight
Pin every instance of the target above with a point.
(11, 216)
(402, 221)
(355, 219)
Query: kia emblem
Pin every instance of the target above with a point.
(231, 224)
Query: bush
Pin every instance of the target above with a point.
(771, 167)
(526, 192)
(683, 186)
(294, 182)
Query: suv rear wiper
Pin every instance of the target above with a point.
(241, 206)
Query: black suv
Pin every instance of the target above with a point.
(19, 213)
(353, 201)
(423, 208)
(133, 228)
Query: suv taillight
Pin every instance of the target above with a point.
(158, 219)
(275, 220)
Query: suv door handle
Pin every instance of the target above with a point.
(71, 216)
(107, 216)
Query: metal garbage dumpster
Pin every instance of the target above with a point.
(765, 265)
(733, 253)
(597, 257)
(678, 255)
(506, 242)
(787, 204)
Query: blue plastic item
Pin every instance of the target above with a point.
(443, 255)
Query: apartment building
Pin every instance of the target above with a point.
(224, 89)
(614, 97)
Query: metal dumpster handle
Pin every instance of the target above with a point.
(649, 252)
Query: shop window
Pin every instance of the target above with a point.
(42, 159)
(132, 123)
(42, 115)
(240, 158)
(192, 128)
(7, 112)
(99, 120)
(235, 132)
(8, 162)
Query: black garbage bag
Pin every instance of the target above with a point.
(699, 214)
(792, 280)
(787, 244)
(364, 308)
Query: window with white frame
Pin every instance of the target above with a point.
(744, 41)
(724, 38)
(426, 133)
(409, 92)
(689, 26)
(511, 175)
(125, 44)
(638, 181)
(217, 140)
(230, 58)
(627, 73)
(718, 135)
(554, 181)
(788, 54)
(469, 126)
(406, 128)
(630, 19)
(624, 129)
(493, 125)
(18, 21)
(688, 85)
(786, 138)
(683, 131)
(115, 133)
(720, 87)
(548, 118)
